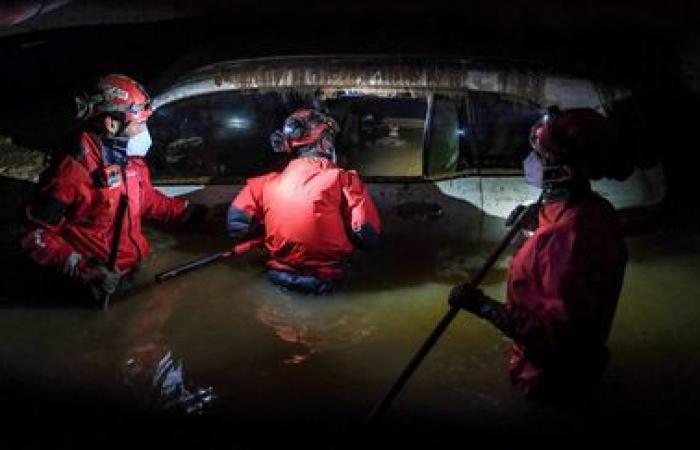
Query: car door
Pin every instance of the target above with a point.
(451, 167)
(500, 125)
(381, 137)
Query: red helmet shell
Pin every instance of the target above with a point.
(571, 132)
(306, 126)
(117, 94)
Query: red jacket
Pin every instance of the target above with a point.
(75, 210)
(308, 211)
(563, 288)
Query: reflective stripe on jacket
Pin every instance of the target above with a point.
(73, 213)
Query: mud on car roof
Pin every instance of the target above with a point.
(384, 74)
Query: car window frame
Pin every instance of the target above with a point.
(214, 180)
(465, 97)
(471, 114)
(240, 179)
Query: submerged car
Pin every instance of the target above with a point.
(439, 141)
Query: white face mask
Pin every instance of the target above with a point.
(139, 144)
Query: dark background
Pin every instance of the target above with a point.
(648, 46)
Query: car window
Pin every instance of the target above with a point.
(501, 125)
(449, 147)
(217, 136)
(380, 136)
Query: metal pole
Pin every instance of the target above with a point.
(381, 407)
(207, 259)
(116, 238)
(192, 265)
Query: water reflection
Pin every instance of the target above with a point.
(156, 382)
(281, 358)
(313, 325)
(154, 378)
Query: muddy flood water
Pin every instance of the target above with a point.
(310, 365)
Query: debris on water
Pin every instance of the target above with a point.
(20, 163)
(161, 387)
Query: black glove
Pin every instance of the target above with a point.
(467, 296)
(529, 223)
(194, 213)
(103, 280)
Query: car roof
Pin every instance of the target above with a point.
(367, 72)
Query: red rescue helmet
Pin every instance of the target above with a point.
(117, 95)
(577, 134)
(302, 128)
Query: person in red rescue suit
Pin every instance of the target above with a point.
(71, 219)
(313, 212)
(564, 281)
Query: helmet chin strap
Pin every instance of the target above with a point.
(561, 183)
(323, 147)
(314, 150)
(327, 147)
(114, 145)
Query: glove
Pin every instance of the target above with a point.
(194, 213)
(530, 222)
(365, 237)
(467, 296)
(103, 281)
(514, 215)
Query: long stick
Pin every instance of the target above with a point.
(116, 238)
(206, 260)
(381, 407)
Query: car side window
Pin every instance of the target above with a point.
(216, 136)
(449, 146)
(501, 126)
(380, 136)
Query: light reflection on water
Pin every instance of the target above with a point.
(272, 355)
